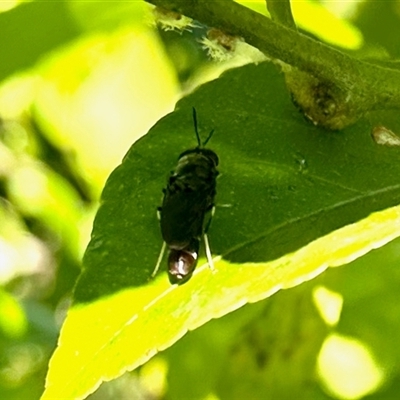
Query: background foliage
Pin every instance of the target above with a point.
(77, 90)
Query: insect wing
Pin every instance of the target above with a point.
(182, 217)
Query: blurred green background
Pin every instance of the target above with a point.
(79, 83)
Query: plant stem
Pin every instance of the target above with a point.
(370, 86)
(281, 12)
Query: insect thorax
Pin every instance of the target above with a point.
(196, 170)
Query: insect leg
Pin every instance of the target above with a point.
(207, 226)
(208, 253)
(206, 242)
(160, 257)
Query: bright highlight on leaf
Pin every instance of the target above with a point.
(9, 5)
(329, 304)
(347, 368)
(153, 377)
(317, 19)
(13, 322)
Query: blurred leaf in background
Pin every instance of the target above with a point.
(79, 83)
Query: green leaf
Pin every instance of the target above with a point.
(108, 15)
(13, 321)
(284, 184)
(25, 40)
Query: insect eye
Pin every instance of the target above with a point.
(181, 264)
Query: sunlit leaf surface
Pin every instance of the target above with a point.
(316, 18)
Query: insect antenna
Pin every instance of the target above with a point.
(199, 144)
(209, 137)
(195, 127)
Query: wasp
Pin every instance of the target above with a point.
(188, 198)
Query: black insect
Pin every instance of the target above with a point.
(188, 198)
